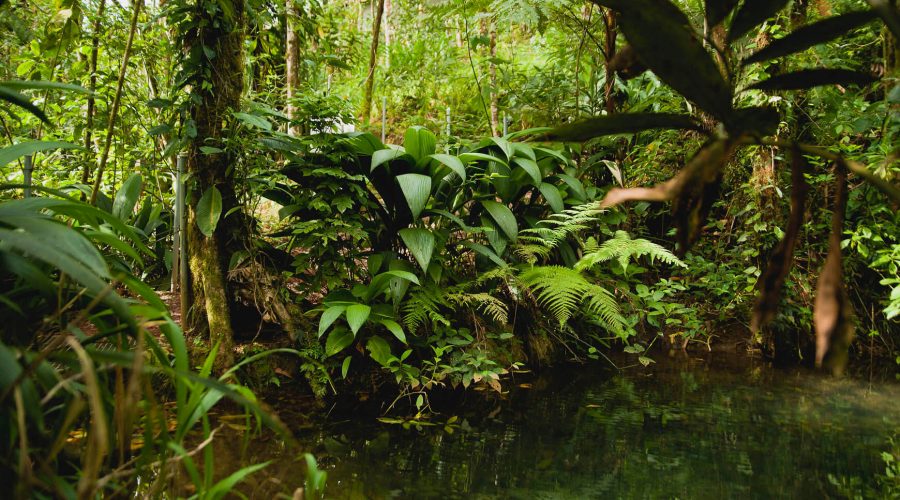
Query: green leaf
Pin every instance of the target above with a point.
(504, 218)
(419, 142)
(504, 145)
(473, 157)
(209, 150)
(254, 121)
(416, 189)
(531, 168)
(551, 194)
(394, 328)
(487, 252)
(667, 43)
(809, 78)
(42, 85)
(753, 13)
(718, 10)
(379, 350)
(576, 187)
(357, 315)
(338, 340)
(16, 151)
(329, 317)
(345, 367)
(383, 156)
(453, 163)
(888, 12)
(223, 487)
(127, 197)
(812, 35)
(622, 123)
(420, 243)
(209, 210)
(17, 99)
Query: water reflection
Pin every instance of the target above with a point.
(682, 429)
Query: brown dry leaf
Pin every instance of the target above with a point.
(833, 313)
(782, 259)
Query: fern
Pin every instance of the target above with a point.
(623, 248)
(537, 243)
(426, 304)
(563, 292)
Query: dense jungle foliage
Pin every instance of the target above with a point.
(204, 199)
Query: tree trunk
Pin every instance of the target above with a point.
(292, 63)
(492, 70)
(611, 25)
(209, 257)
(91, 102)
(366, 113)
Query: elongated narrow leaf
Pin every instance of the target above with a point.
(419, 142)
(666, 43)
(329, 317)
(531, 168)
(127, 197)
(17, 99)
(809, 78)
(42, 85)
(16, 151)
(751, 14)
(357, 315)
(504, 218)
(812, 35)
(504, 145)
(394, 328)
(453, 163)
(209, 210)
(473, 157)
(487, 252)
(623, 123)
(576, 188)
(718, 10)
(338, 340)
(551, 194)
(416, 189)
(420, 243)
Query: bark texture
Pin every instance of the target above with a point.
(366, 113)
(292, 63)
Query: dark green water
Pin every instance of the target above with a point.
(681, 429)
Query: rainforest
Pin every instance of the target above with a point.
(313, 249)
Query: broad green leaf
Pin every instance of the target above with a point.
(345, 366)
(751, 14)
(383, 156)
(504, 145)
(16, 151)
(623, 123)
(487, 252)
(364, 143)
(254, 121)
(338, 340)
(379, 350)
(357, 315)
(17, 99)
(394, 328)
(42, 85)
(420, 243)
(809, 78)
(419, 142)
(473, 157)
(209, 210)
(667, 43)
(329, 317)
(551, 194)
(504, 218)
(812, 35)
(531, 168)
(416, 189)
(453, 163)
(718, 10)
(127, 197)
(575, 186)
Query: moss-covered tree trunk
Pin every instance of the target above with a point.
(292, 62)
(220, 79)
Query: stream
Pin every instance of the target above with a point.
(685, 428)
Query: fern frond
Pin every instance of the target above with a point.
(486, 303)
(564, 292)
(422, 306)
(623, 248)
(602, 304)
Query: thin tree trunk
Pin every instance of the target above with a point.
(492, 70)
(388, 7)
(91, 102)
(116, 101)
(612, 32)
(586, 14)
(366, 113)
(292, 63)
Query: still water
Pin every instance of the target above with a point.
(684, 428)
